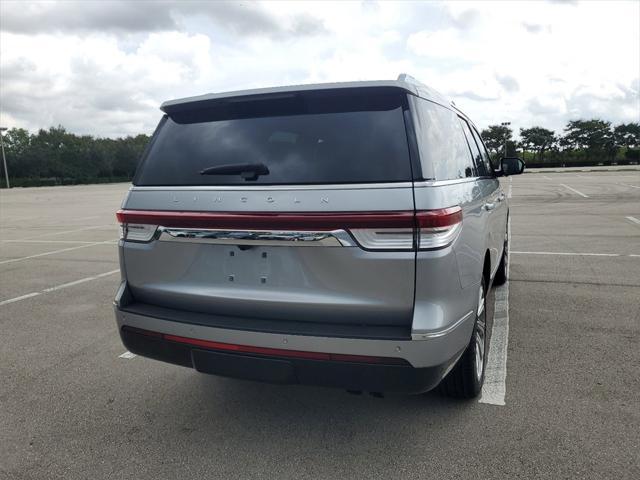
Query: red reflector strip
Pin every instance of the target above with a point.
(444, 217)
(278, 352)
(269, 221)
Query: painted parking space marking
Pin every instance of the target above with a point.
(58, 287)
(627, 185)
(574, 190)
(128, 355)
(51, 234)
(633, 219)
(22, 297)
(576, 254)
(494, 388)
(68, 242)
(579, 254)
(78, 282)
(53, 252)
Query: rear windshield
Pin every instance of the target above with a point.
(314, 138)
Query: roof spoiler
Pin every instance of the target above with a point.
(404, 81)
(425, 90)
(405, 77)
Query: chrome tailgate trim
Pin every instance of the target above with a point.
(334, 238)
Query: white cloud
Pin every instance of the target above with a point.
(441, 43)
(106, 70)
(590, 47)
(91, 85)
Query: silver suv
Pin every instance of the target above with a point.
(341, 234)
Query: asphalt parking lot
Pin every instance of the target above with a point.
(568, 374)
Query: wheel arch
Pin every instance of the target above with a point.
(486, 268)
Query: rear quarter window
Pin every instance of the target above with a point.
(314, 139)
(486, 159)
(475, 151)
(444, 152)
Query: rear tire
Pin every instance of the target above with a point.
(467, 377)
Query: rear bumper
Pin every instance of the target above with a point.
(378, 377)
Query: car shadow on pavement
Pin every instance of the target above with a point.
(250, 424)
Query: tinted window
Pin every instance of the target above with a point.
(442, 145)
(483, 151)
(475, 150)
(359, 138)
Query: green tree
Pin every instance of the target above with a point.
(627, 135)
(495, 137)
(593, 137)
(537, 139)
(17, 142)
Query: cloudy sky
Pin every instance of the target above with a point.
(103, 68)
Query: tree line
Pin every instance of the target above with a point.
(582, 143)
(58, 157)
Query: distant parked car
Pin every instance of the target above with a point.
(342, 234)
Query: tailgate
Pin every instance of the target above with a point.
(316, 267)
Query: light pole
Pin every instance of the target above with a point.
(4, 159)
(505, 124)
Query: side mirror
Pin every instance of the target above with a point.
(512, 166)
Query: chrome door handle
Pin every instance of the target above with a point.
(489, 206)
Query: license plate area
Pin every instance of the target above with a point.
(248, 265)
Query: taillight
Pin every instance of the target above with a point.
(438, 228)
(384, 238)
(432, 229)
(135, 232)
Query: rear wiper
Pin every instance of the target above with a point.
(248, 171)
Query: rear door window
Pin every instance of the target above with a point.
(317, 138)
(443, 148)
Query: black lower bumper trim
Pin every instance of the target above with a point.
(285, 327)
(347, 375)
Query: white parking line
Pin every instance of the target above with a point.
(71, 231)
(574, 190)
(71, 242)
(627, 185)
(495, 376)
(22, 297)
(576, 254)
(77, 282)
(58, 287)
(11, 260)
(127, 355)
(510, 188)
(633, 219)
